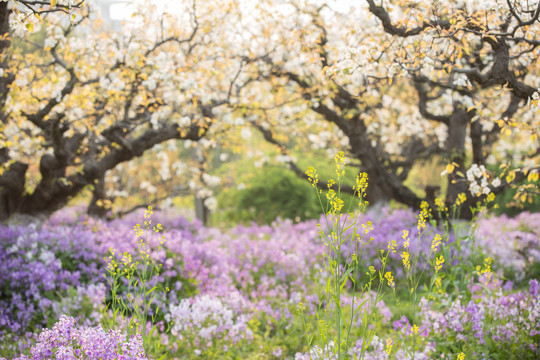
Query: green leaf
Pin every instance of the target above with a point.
(152, 289)
(345, 276)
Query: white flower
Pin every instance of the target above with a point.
(150, 84)
(211, 203)
(50, 43)
(145, 185)
(184, 121)
(47, 257)
(211, 180)
(496, 182)
(475, 189)
(245, 133)
(12, 249)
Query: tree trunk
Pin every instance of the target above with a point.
(11, 188)
(457, 133)
(97, 207)
(477, 144)
(202, 212)
(383, 185)
(5, 42)
(378, 191)
(12, 181)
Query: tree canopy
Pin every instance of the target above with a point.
(392, 84)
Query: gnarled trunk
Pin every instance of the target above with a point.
(457, 133)
(97, 207)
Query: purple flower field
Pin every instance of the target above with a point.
(234, 293)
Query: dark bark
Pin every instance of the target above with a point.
(12, 189)
(477, 142)
(501, 72)
(382, 182)
(5, 43)
(12, 181)
(457, 133)
(128, 138)
(55, 189)
(202, 213)
(96, 207)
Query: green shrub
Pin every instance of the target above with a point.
(271, 192)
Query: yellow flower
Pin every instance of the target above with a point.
(406, 239)
(438, 285)
(439, 263)
(389, 279)
(148, 212)
(389, 344)
(406, 262)
(331, 183)
(340, 164)
(312, 175)
(461, 356)
(368, 226)
(436, 242)
(424, 214)
(337, 205)
(331, 194)
(461, 198)
(361, 184)
(440, 205)
(487, 267)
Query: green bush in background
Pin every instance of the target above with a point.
(271, 192)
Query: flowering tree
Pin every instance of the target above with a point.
(460, 58)
(311, 74)
(15, 14)
(87, 101)
(405, 91)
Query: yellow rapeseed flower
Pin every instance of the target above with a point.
(406, 239)
(439, 263)
(424, 214)
(392, 246)
(461, 198)
(406, 261)
(340, 164)
(436, 242)
(337, 205)
(441, 206)
(389, 344)
(389, 279)
(148, 212)
(361, 184)
(312, 175)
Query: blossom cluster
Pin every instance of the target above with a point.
(65, 341)
(489, 322)
(224, 282)
(513, 242)
(204, 319)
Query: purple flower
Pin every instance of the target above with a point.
(534, 287)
